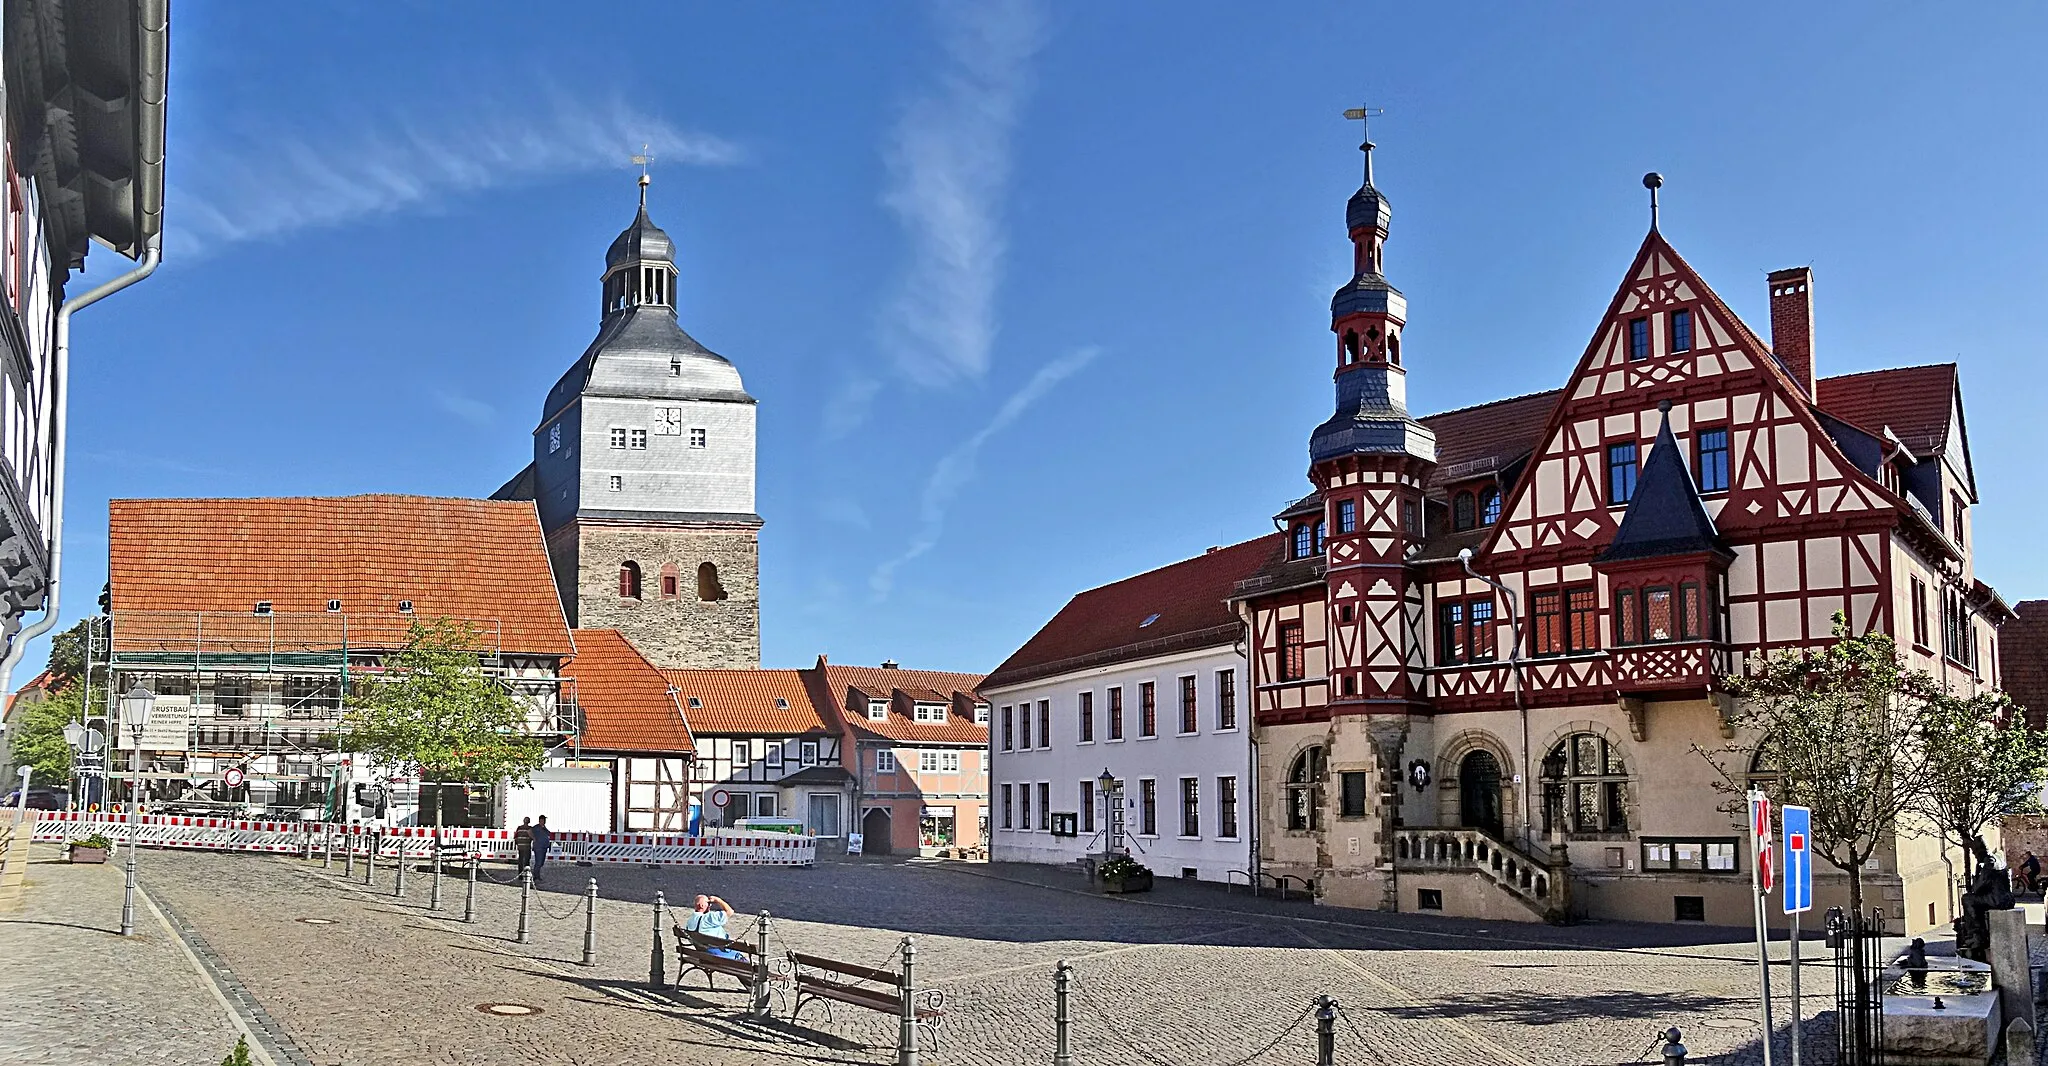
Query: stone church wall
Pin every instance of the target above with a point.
(685, 630)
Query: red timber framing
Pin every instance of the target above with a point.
(1278, 695)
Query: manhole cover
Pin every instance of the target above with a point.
(316, 921)
(508, 1010)
(1729, 1023)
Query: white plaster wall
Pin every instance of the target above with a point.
(669, 475)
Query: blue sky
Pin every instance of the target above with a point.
(1033, 296)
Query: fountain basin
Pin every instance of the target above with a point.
(1962, 1033)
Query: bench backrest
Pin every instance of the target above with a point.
(701, 942)
(891, 978)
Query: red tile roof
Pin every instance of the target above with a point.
(480, 561)
(1915, 401)
(1471, 441)
(1108, 624)
(2023, 659)
(625, 699)
(835, 684)
(744, 701)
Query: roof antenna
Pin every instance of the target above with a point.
(642, 160)
(1363, 116)
(1653, 181)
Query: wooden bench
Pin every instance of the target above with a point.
(819, 979)
(695, 951)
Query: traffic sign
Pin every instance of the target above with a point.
(1760, 839)
(233, 777)
(1798, 859)
(719, 797)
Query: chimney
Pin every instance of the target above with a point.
(888, 664)
(1792, 323)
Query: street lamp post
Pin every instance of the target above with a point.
(1106, 784)
(135, 708)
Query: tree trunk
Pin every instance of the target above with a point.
(1856, 889)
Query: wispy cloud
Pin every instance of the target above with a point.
(949, 167)
(841, 511)
(128, 460)
(264, 184)
(849, 405)
(471, 410)
(956, 470)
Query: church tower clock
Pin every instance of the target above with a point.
(643, 473)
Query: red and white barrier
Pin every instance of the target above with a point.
(417, 842)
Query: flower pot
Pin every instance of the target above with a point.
(1134, 883)
(77, 853)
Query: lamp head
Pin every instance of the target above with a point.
(1464, 555)
(1107, 781)
(136, 704)
(74, 733)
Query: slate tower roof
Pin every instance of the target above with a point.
(1665, 516)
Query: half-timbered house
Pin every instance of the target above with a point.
(1492, 639)
(918, 743)
(632, 744)
(763, 749)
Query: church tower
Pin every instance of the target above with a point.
(643, 472)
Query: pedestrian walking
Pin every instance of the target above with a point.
(543, 838)
(522, 842)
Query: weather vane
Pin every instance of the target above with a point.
(642, 160)
(1363, 116)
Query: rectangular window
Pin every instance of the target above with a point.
(1085, 726)
(1689, 627)
(1116, 713)
(1625, 620)
(1410, 523)
(1045, 723)
(1353, 787)
(1546, 623)
(1583, 612)
(927, 762)
(1087, 806)
(638, 440)
(1226, 807)
(1189, 723)
(1957, 506)
(1482, 646)
(1621, 473)
(1044, 805)
(1009, 810)
(697, 438)
(949, 762)
(807, 753)
(1148, 710)
(1148, 807)
(1024, 806)
(1190, 806)
(1347, 516)
(1711, 855)
(1293, 652)
(772, 757)
(1713, 459)
(1681, 330)
(885, 761)
(1450, 634)
(617, 483)
(619, 437)
(1226, 699)
(1919, 612)
(1006, 728)
(1638, 338)
(1657, 620)
(1429, 899)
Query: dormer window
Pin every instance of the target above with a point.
(1489, 507)
(675, 366)
(1463, 512)
(696, 703)
(877, 710)
(1304, 541)
(930, 713)
(404, 606)
(981, 714)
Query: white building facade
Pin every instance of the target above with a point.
(1141, 682)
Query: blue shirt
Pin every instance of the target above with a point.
(709, 923)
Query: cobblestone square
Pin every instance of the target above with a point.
(1184, 975)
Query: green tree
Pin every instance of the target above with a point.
(1983, 763)
(434, 711)
(37, 738)
(1839, 730)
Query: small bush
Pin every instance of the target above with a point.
(97, 840)
(239, 1056)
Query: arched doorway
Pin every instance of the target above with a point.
(1479, 791)
(874, 832)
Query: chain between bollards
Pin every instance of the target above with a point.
(469, 894)
(590, 924)
(1062, 981)
(1326, 1031)
(655, 977)
(1674, 1052)
(525, 898)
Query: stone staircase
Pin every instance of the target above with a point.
(1540, 884)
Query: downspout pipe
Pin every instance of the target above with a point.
(1515, 678)
(60, 424)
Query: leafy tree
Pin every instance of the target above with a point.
(1983, 763)
(37, 738)
(434, 711)
(1840, 729)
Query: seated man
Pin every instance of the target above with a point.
(708, 920)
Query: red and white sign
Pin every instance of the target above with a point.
(719, 797)
(1760, 836)
(234, 777)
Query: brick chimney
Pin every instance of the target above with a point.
(1792, 323)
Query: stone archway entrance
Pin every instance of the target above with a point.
(874, 832)
(1479, 792)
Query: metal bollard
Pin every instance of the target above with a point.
(590, 924)
(469, 894)
(348, 856)
(306, 844)
(906, 1030)
(1674, 1052)
(525, 897)
(326, 846)
(1326, 1031)
(1062, 979)
(655, 976)
(434, 897)
(370, 872)
(399, 890)
(759, 1007)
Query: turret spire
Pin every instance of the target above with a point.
(643, 159)
(1363, 116)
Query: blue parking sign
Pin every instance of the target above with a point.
(1798, 826)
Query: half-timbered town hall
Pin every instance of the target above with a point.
(1492, 637)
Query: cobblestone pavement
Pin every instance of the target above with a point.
(1188, 975)
(73, 990)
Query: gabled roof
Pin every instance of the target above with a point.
(479, 561)
(1471, 441)
(625, 700)
(1915, 401)
(1665, 516)
(754, 702)
(1173, 608)
(2023, 659)
(838, 682)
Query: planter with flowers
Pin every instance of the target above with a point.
(89, 849)
(1125, 874)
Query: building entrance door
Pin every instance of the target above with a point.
(1479, 792)
(874, 830)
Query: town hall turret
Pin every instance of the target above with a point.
(643, 472)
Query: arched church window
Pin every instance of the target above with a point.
(1585, 786)
(708, 587)
(1305, 790)
(1489, 507)
(629, 580)
(1394, 348)
(1461, 511)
